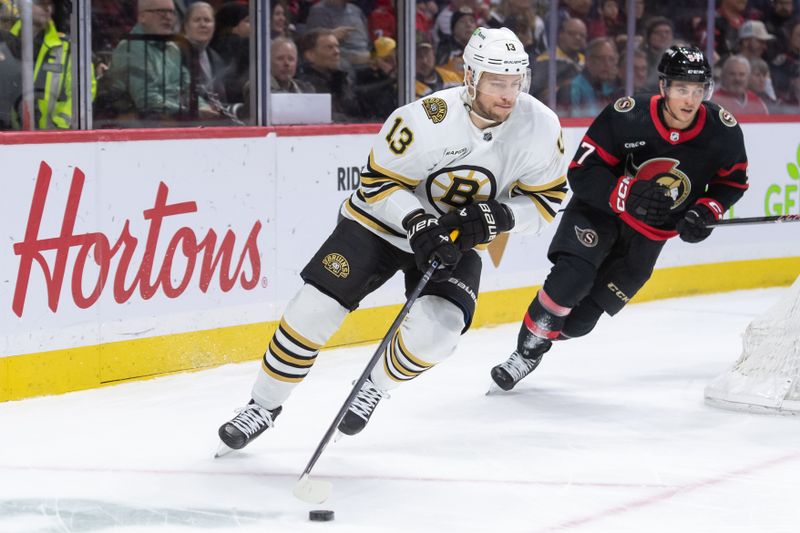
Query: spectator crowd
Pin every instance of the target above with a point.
(157, 62)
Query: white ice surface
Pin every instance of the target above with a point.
(610, 434)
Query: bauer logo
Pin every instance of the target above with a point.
(147, 264)
(784, 198)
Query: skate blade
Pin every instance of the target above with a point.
(337, 436)
(312, 490)
(222, 450)
(494, 389)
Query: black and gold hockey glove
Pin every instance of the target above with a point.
(429, 240)
(478, 223)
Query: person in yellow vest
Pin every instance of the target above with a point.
(52, 76)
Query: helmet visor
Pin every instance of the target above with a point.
(506, 85)
(685, 89)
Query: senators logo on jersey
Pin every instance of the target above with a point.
(664, 171)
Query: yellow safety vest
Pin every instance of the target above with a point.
(52, 80)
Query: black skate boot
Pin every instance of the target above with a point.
(357, 415)
(510, 372)
(250, 422)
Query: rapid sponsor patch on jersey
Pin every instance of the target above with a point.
(624, 104)
(337, 265)
(726, 117)
(435, 108)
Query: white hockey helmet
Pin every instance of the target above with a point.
(495, 50)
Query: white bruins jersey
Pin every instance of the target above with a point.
(430, 155)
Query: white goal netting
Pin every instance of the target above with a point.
(767, 375)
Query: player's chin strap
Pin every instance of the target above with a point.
(468, 96)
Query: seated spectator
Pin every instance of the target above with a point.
(198, 27)
(761, 84)
(733, 93)
(569, 60)
(431, 78)
(321, 68)
(598, 84)
(606, 21)
(777, 20)
(753, 39)
(730, 17)
(639, 72)
(151, 73)
(279, 23)
(784, 65)
(660, 35)
(382, 21)
(376, 85)
(520, 17)
(232, 42)
(349, 25)
(283, 67)
(52, 75)
(444, 20)
(451, 48)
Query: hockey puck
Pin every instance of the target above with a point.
(320, 516)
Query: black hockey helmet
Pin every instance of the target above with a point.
(684, 63)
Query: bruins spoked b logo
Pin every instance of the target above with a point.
(455, 187)
(337, 265)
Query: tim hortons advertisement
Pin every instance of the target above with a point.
(115, 240)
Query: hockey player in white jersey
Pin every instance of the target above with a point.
(483, 158)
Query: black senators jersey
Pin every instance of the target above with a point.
(631, 138)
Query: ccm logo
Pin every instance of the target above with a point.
(618, 293)
(622, 192)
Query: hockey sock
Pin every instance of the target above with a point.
(308, 322)
(428, 335)
(542, 323)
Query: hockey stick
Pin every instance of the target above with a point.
(317, 491)
(754, 220)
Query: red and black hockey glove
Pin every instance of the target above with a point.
(693, 227)
(645, 200)
(429, 240)
(478, 223)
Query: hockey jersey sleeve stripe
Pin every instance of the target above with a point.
(297, 338)
(375, 168)
(727, 172)
(378, 181)
(729, 183)
(370, 221)
(559, 183)
(379, 194)
(604, 155)
(547, 212)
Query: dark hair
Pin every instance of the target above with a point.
(309, 40)
(655, 22)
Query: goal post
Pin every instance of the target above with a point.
(766, 378)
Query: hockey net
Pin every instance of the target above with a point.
(767, 375)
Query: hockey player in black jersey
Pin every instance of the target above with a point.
(648, 169)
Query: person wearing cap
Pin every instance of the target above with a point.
(476, 161)
(376, 84)
(754, 39)
(430, 77)
(450, 49)
(733, 93)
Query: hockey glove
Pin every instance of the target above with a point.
(429, 240)
(478, 223)
(693, 227)
(645, 200)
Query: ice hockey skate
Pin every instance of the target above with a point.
(511, 371)
(250, 422)
(362, 407)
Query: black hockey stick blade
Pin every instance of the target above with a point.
(317, 491)
(755, 220)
